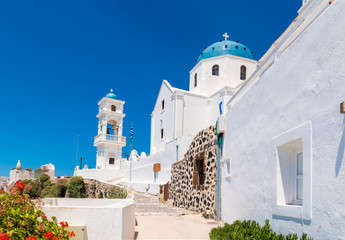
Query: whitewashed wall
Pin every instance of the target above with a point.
(142, 171)
(306, 84)
(103, 218)
(100, 174)
(162, 118)
(16, 175)
(229, 73)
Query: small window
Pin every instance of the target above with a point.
(195, 80)
(111, 161)
(163, 102)
(290, 158)
(293, 158)
(215, 70)
(113, 108)
(243, 72)
(162, 133)
(199, 173)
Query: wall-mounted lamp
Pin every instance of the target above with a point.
(342, 107)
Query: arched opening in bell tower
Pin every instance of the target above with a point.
(112, 129)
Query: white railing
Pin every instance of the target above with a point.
(110, 138)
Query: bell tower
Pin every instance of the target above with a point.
(109, 141)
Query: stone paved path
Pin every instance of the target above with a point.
(156, 220)
(147, 204)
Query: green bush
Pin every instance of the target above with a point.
(61, 188)
(117, 192)
(46, 184)
(250, 230)
(32, 188)
(29, 169)
(43, 178)
(49, 192)
(76, 187)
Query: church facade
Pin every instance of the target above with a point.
(178, 114)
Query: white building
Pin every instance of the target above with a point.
(179, 115)
(109, 141)
(285, 163)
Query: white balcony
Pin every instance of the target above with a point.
(110, 139)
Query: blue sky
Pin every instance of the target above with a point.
(59, 58)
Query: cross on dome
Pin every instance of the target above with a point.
(111, 90)
(226, 36)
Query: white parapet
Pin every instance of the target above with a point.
(103, 218)
(99, 174)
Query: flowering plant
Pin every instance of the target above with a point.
(21, 218)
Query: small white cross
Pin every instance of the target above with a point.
(226, 36)
(111, 90)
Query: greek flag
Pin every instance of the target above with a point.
(131, 133)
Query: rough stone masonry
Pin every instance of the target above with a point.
(193, 179)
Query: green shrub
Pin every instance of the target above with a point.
(49, 192)
(250, 230)
(28, 169)
(76, 187)
(117, 192)
(32, 188)
(61, 188)
(43, 178)
(46, 184)
(21, 218)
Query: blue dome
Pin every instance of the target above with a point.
(226, 47)
(111, 95)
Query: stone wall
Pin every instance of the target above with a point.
(97, 189)
(185, 189)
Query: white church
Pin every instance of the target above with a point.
(282, 119)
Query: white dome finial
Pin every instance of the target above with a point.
(18, 164)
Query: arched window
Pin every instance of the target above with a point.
(243, 72)
(215, 70)
(113, 108)
(195, 80)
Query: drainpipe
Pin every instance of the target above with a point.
(218, 174)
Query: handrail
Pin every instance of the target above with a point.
(110, 137)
